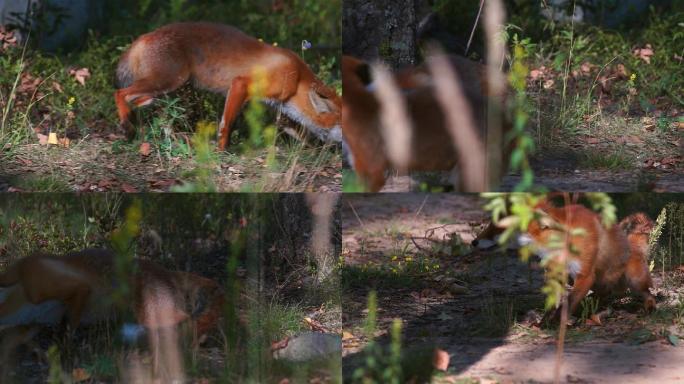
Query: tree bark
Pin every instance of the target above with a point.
(381, 30)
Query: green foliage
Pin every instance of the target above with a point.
(524, 143)
(55, 374)
(382, 364)
(589, 305)
(62, 105)
(523, 210)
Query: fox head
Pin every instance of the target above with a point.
(318, 108)
(638, 228)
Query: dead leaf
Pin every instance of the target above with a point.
(57, 87)
(80, 374)
(594, 320)
(585, 67)
(347, 335)
(548, 84)
(145, 149)
(52, 138)
(621, 72)
(536, 74)
(644, 53)
(128, 188)
(42, 139)
(80, 75)
(314, 325)
(276, 345)
(104, 184)
(440, 360)
(64, 142)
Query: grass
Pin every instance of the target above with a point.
(592, 85)
(39, 96)
(58, 223)
(611, 161)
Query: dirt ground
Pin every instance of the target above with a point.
(481, 306)
(106, 162)
(562, 173)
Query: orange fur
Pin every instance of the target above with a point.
(222, 59)
(608, 260)
(84, 283)
(432, 148)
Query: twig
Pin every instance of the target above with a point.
(472, 33)
(356, 214)
(421, 205)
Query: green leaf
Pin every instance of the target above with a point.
(673, 339)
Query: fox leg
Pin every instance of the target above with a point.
(580, 288)
(76, 303)
(639, 281)
(141, 93)
(235, 99)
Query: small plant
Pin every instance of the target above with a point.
(524, 143)
(382, 364)
(589, 306)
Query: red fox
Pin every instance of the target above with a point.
(610, 260)
(78, 288)
(223, 59)
(432, 146)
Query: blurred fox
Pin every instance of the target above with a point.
(432, 145)
(78, 288)
(607, 260)
(223, 59)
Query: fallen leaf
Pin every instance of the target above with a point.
(280, 344)
(621, 72)
(145, 149)
(64, 142)
(128, 188)
(644, 53)
(52, 138)
(314, 325)
(594, 320)
(57, 87)
(440, 360)
(106, 183)
(81, 75)
(347, 335)
(548, 84)
(42, 139)
(536, 74)
(80, 374)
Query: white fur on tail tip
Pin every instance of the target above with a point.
(48, 312)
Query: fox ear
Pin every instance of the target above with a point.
(321, 101)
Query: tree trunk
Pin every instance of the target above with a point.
(381, 29)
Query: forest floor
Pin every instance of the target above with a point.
(648, 163)
(104, 161)
(97, 352)
(481, 307)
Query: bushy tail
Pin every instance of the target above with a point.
(637, 222)
(124, 75)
